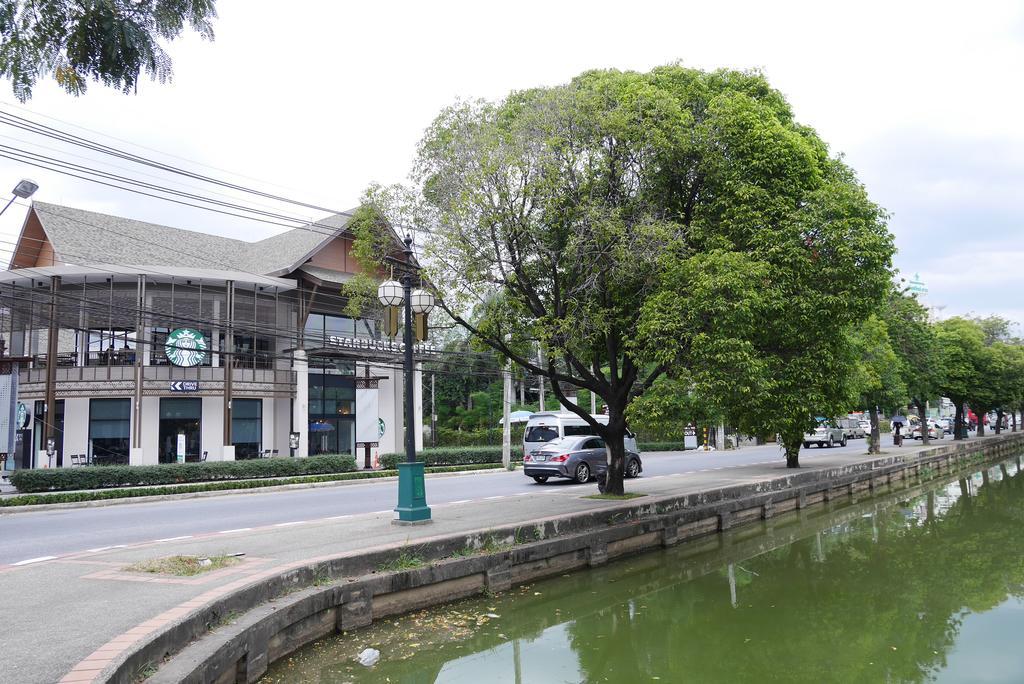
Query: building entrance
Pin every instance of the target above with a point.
(181, 421)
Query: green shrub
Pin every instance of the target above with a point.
(661, 446)
(101, 477)
(450, 456)
(105, 494)
(447, 437)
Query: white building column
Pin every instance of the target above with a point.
(300, 407)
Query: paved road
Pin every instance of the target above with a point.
(28, 536)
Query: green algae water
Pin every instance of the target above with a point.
(915, 587)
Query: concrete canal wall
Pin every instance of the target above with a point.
(236, 637)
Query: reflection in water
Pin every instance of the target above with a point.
(886, 590)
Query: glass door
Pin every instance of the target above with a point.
(181, 423)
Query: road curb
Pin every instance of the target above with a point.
(31, 508)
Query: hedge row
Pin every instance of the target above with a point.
(447, 437)
(445, 456)
(101, 477)
(661, 446)
(106, 494)
(490, 454)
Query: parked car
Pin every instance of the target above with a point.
(577, 458)
(541, 428)
(935, 431)
(852, 428)
(946, 424)
(865, 425)
(826, 434)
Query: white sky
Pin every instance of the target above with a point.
(924, 98)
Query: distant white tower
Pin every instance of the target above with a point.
(916, 286)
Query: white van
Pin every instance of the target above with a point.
(544, 427)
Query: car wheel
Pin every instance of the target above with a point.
(843, 443)
(807, 445)
(540, 479)
(633, 468)
(831, 442)
(582, 473)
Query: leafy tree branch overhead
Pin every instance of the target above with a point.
(108, 41)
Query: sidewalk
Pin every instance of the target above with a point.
(61, 611)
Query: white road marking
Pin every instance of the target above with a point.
(105, 548)
(339, 517)
(168, 539)
(35, 560)
(524, 493)
(240, 529)
(491, 498)
(286, 524)
(460, 501)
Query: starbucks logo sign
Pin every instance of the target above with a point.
(185, 347)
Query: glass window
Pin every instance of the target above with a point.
(185, 409)
(540, 433)
(578, 430)
(114, 347)
(366, 327)
(109, 430)
(315, 327)
(247, 427)
(340, 326)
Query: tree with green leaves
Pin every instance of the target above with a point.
(108, 41)
(878, 373)
(914, 340)
(784, 254)
(964, 358)
(633, 224)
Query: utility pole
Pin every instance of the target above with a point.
(593, 403)
(506, 423)
(433, 414)
(50, 424)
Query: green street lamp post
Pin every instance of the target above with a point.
(412, 506)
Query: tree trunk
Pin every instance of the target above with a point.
(1013, 418)
(958, 421)
(791, 445)
(875, 445)
(614, 440)
(999, 421)
(981, 423)
(613, 483)
(924, 422)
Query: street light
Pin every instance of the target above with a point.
(412, 495)
(24, 189)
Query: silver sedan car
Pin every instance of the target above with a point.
(577, 458)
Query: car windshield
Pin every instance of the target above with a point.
(541, 433)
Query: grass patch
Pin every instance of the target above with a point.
(183, 566)
(404, 561)
(106, 494)
(615, 497)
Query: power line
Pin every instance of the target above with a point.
(72, 139)
(68, 138)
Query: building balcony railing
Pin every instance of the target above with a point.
(282, 378)
(126, 357)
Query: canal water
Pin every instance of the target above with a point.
(915, 587)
